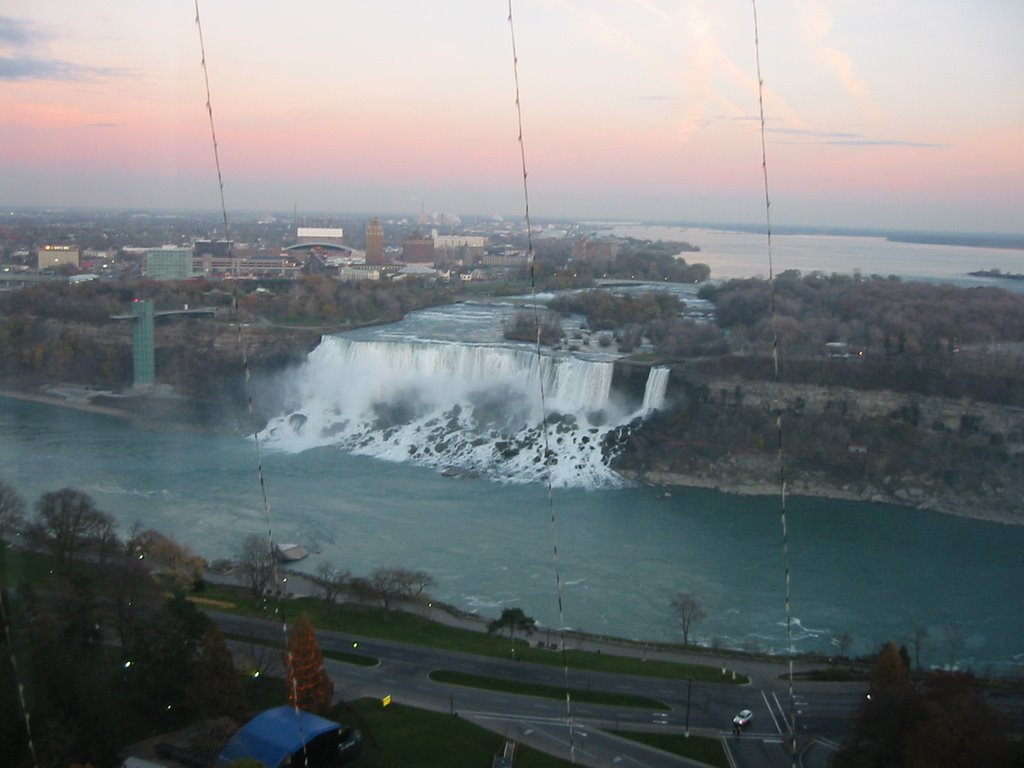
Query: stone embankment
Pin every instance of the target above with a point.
(988, 440)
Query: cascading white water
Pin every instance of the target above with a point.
(473, 408)
(654, 392)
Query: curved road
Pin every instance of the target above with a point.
(581, 730)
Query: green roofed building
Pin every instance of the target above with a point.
(169, 263)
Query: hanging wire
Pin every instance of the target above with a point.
(248, 385)
(781, 456)
(17, 679)
(543, 400)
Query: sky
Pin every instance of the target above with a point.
(903, 114)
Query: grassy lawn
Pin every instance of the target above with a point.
(399, 737)
(400, 626)
(544, 691)
(370, 621)
(699, 748)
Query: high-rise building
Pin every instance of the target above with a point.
(169, 263)
(374, 242)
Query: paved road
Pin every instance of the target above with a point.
(582, 732)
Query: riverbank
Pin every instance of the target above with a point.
(974, 508)
(81, 403)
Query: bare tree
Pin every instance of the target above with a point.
(954, 637)
(12, 510)
(331, 582)
(689, 610)
(843, 641)
(257, 563)
(920, 643)
(70, 522)
(388, 585)
(133, 591)
(414, 583)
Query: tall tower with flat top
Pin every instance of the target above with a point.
(143, 357)
(374, 242)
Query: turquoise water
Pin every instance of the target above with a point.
(870, 570)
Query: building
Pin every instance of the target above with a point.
(220, 249)
(53, 256)
(374, 242)
(506, 257)
(418, 249)
(168, 263)
(600, 253)
(459, 249)
(322, 235)
(246, 264)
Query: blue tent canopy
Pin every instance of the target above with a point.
(272, 736)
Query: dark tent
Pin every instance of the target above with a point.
(276, 735)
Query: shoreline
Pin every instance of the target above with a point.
(64, 402)
(971, 509)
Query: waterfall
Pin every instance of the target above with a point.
(654, 392)
(469, 408)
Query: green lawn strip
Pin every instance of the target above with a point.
(630, 665)
(347, 658)
(703, 749)
(401, 626)
(544, 691)
(370, 621)
(19, 566)
(399, 737)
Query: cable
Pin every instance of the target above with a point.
(778, 416)
(248, 386)
(17, 679)
(543, 401)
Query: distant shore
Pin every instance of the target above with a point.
(973, 508)
(66, 402)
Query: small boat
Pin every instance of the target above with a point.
(289, 553)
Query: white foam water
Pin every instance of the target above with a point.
(469, 408)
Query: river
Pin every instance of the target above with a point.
(353, 471)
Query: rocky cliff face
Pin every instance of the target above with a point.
(938, 453)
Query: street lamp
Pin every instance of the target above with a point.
(686, 730)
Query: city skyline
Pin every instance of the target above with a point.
(878, 115)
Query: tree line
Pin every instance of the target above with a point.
(109, 646)
(883, 318)
(927, 720)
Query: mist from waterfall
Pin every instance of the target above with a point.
(467, 408)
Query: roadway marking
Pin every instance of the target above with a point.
(770, 712)
(782, 712)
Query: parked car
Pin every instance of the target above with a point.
(742, 720)
(350, 744)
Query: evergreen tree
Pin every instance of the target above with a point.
(512, 619)
(216, 688)
(310, 688)
(892, 670)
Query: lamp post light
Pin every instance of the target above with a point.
(686, 730)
